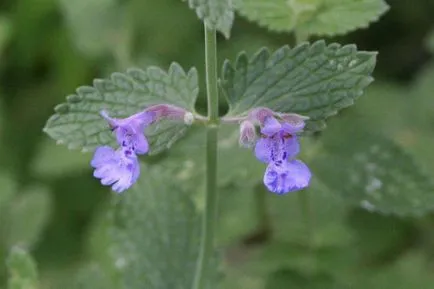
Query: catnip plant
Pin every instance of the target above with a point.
(274, 99)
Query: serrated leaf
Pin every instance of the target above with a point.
(376, 174)
(156, 231)
(27, 215)
(217, 14)
(313, 17)
(77, 122)
(91, 20)
(315, 80)
(22, 270)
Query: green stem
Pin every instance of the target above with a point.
(209, 218)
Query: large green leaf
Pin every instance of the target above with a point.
(78, 124)
(315, 80)
(22, 270)
(373, 172)
(156, 230)
(217, 14)
(318, 17)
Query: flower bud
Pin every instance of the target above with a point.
(247, 134)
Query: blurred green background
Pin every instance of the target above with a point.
(51, 204)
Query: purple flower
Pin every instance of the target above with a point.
(129, 131)
(117, 168)
(120, 168)
(278, 146)
(285, 177)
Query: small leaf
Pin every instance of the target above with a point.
(217, 14)
(78, 124)
(315, 80)
(317, 17)
(374, 173)
(22, 270)
(156, 231)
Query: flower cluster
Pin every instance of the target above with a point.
(120, 168)
(277, 147)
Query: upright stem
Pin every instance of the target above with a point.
(209, 218)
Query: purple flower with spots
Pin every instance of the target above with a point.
(129, 131)
(278, 147)
(120, 168)
(117, 168)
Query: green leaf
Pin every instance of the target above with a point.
(217, 14)
(156, 233)
(313, 17)
(78, 124)
(22, 270)
(27, 215)
(374, 173)
(94, 25)
(315, 80)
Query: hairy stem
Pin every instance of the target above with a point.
(209, 218)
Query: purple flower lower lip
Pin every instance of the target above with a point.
(286, 177)
(117, 168)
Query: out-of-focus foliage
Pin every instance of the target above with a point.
(22, 270)
(313, 17)
(47, 49)
(216, 14)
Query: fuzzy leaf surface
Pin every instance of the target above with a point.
(77, 122)
(316, 80)
(376, 174)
